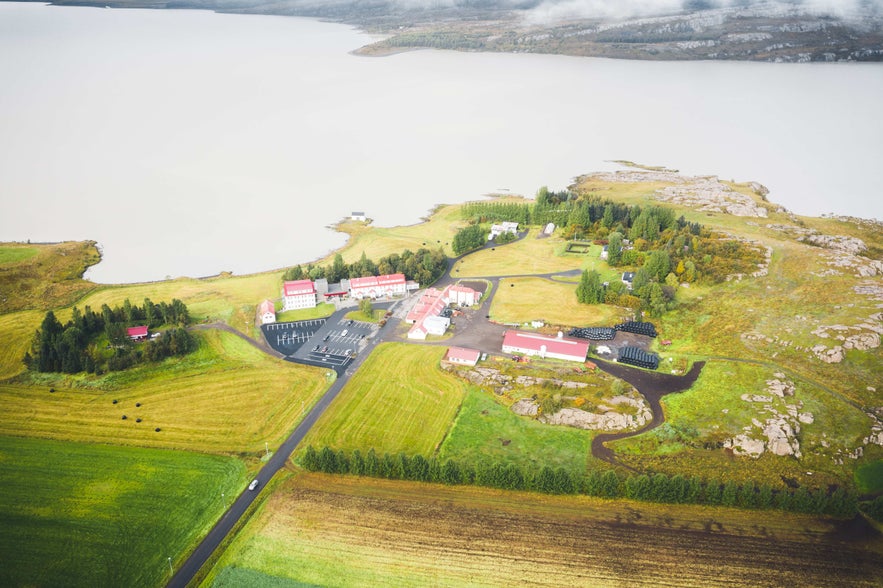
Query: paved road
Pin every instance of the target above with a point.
(201, 554)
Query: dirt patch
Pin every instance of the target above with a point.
(462, 535)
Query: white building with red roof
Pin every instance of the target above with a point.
(298, 294)
(137, 333)
(267, 312)
(377, 286)
(462, 295)
(462, 356)
(537, 344)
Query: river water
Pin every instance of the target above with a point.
(188, 142)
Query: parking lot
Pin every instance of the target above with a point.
(331, 342)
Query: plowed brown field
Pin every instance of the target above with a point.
(344, 531)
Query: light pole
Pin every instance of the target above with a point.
(267, 448)
(171, 571)
(224, 500)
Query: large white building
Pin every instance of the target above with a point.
(377, 286)
(536, 344)
(462, 295)
(298, 294)
(504, 227)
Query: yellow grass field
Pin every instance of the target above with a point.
(527, 256)
(225, 398)
(16, 332)
(524, 299)
(377, 242)
(399, 400)
(348, 531)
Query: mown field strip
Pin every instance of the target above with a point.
(227, 398)
(399, 400)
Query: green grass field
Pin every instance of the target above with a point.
(487, 431)
(525, 299)
(399, 400)
(305, 314)
(227, 397)
(16, 254)
(94, 515)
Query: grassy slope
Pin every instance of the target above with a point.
(226, 398)
(399, 400)
(347, 531)
(92, 515)
(44, 276)
(482, 426)
(714, 411)
(376, 242)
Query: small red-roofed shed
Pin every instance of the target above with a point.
(137, 333)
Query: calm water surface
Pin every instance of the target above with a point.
(188, 142)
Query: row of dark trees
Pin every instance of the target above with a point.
(608, 484)
(72, 347)
(425, 267)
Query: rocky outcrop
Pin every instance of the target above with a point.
(709, 194)
(525, 407)
(604, 418)
(778, 432)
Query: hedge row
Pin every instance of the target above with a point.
(608, 484)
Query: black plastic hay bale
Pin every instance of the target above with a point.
(138, 420)
(157, 429)
(125, 417)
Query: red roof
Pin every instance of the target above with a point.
(267, 306)
(377, 281)
(298, 287)
(462, 355)
(557, 345)
(136, 332)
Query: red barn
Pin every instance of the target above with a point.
(545, 346)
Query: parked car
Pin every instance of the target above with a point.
(345, 333)
(254, 484)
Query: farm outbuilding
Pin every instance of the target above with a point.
(462, 356)
(137, 333)
(536, 344)
(267, 312)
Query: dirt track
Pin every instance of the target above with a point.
(653, 386)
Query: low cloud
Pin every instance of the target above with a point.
(550, 11)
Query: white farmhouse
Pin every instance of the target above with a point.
(504, 227)
(267, 312)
